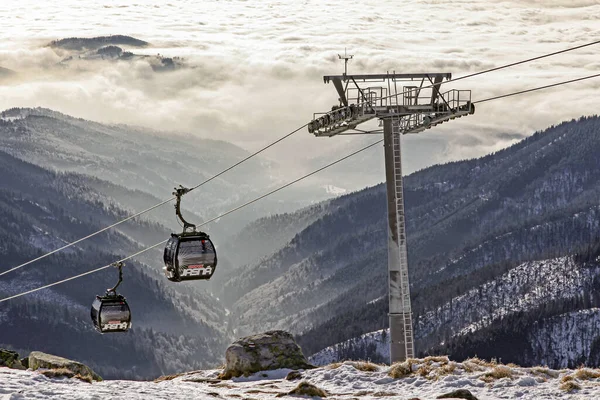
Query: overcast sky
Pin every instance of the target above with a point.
(256, 66)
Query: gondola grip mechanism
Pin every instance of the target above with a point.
(113, 290)
(178, 193)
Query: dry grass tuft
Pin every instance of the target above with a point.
(66, 373)
(58, 373)
(570, 386)
(425, 371)
(308, 389)
(364, 366)
(438, 359)
(84, 378)
(334, 365)
(447, 369)
(585, 374)
(225, 375)
(168, 377)
(498, 372)
(385, 394)
(480, 362)
(544, 372)
(402, 369)
(567, 378)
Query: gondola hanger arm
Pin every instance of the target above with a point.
(178, 193)
(118, 265)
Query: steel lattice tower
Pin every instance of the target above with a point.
(416, 106)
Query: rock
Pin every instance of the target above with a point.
(25, 362)
(37, 359)
(10, 359)
(293, 375)
(262, 352)
(458, 394)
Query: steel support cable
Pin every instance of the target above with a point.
(276, 190)
(250, 156)
(85, 237)
(524, 61)
(277, 141)
(495, 68)
(292, 182)
(70, 244)
(537, 88)
(501, 97)
(203, 223)
(81, 275)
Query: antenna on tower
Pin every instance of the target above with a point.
(346, 58)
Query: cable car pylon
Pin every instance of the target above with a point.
(417, 105)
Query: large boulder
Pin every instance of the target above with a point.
(262, 352)
(37, 359)
(10, 359)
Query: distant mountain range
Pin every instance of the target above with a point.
(93, 43)
(109, 48)
(153, 163)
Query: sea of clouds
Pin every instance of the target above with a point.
(255, 67)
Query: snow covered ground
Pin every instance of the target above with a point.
(429, 378)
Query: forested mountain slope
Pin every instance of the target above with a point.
(468, 223)
(541, 312)
(175, 327)
(152, 162)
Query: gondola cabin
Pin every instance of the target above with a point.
(111, 313)
(189, 256)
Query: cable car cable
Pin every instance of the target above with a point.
(291, 133)
(250, 156)
(291, 183)
(263, 196)
(272, 144)
(537, 88)
(204, 223)
(523, 61)
(151, 208)
(274, 191)
(83, 274)
(495, 69)
(86, 237)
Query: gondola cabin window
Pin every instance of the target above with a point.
(114, 312)
(195, 253)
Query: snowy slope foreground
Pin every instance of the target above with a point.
(424, 379)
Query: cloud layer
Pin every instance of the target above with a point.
(255, 66)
